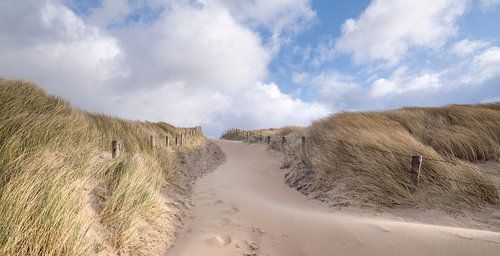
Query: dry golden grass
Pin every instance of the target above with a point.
(53, 158)
(369, 154)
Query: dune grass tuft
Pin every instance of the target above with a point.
(59, 186)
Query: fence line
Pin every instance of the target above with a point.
(180, 140)
(416, 162)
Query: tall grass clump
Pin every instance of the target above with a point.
(368, 155)
(60, 191)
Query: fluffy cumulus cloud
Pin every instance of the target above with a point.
(425, 58)
(51, 45)
(471, 80)
(387, 29)
(184, 62)
(210, 62)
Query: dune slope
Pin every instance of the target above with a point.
(244, 208)
(61, 192)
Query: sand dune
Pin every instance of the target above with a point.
(244, 208)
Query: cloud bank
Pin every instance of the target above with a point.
(184, 62)
(214, 62)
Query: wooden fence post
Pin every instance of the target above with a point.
(115, 149)
(416, 164)
(182, 140)
(260, 138)
(167, 141)
(303, 141)
(152, 141)
(176, 140)
(268, 140)
(283, 140)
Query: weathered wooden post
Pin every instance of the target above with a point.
(283, 140)
(248, 136)
(268, 139)
(416, 164)
(260, 138)
(176, 140)
(152, 141)
(303, 141)
(182, 140)
(167, 141)
(115, 149)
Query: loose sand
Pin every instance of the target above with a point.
(245, 208)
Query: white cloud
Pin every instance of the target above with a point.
(400, 82)
(54, 47)
(387, 29)
(277, 16)
(204, 47)
(486, 65)
(466, 47)
(193, 64)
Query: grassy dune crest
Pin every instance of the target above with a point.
(367, 156)
(61, 193)
(355, 150)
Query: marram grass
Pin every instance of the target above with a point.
(367, 156)
(60, 191)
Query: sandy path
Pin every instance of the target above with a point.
(244, 208)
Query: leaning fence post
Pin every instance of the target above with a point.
(152, 141)
(416, 164)
(115, 149)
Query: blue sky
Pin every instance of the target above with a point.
(253, 63)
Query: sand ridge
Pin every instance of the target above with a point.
(245, 208)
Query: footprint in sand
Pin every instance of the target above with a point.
(224, 221)
(257, 230)
(221, 240)
(252, 249)
(232, 209)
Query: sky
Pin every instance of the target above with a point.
(253, 63)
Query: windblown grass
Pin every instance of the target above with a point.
(53, 158)
(355, 150)
(367, 156)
